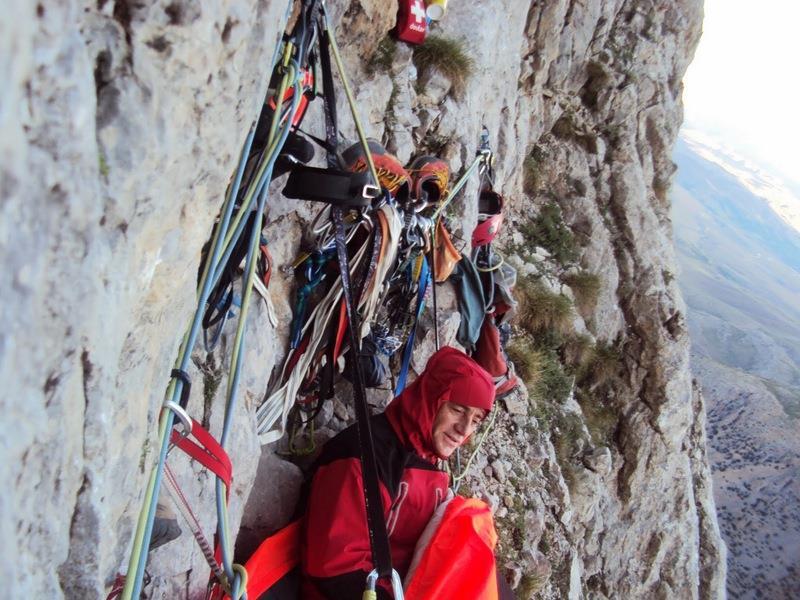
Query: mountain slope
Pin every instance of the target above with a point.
(741, 280)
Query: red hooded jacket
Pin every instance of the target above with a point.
(336, 554)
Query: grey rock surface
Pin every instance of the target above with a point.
(120, 126)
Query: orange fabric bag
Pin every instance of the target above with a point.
(458, 562)
(445, 254)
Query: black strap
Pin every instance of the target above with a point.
(186, 390)
(376, 525)
(378, 537)
(339, 188)
(319, 141)
(329, 96)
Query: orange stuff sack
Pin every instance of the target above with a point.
(445, 254)
(458, 560)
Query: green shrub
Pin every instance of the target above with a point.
(539, 310)
(586, 287)
(530, 174)
(448, 56)
(549, 231)
(554, 384)
(577, 351)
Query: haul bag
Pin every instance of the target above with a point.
(458, 561)
(490, 355)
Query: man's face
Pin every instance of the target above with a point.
(454, 423)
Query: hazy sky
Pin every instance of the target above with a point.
(743, 86)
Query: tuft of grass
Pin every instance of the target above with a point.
(540, 311)
(530, 174)
(599, 416)
(566, 126)
(532, 584)
(102, 164)
(549, 231)
(661, 187)
(383, 56)
(566, 435)
(212, 377)
(604, 367)
(448, 56)
(586, 287)
(577, 351)
(435, 144)
(143, 455)
(527, 359)
(390, 119)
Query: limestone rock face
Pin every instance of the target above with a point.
(121, 124)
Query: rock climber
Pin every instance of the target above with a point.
(425, 424)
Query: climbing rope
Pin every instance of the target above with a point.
(191, 520)
(483, 159)
(461, 473)
(225, 237)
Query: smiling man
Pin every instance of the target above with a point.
(425, 424)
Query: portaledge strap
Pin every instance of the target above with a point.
(207, 452)
(338, 188)
(376, 525)
(378, 537)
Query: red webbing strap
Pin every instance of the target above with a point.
(213, 457)
(208, 453)
(340, 331)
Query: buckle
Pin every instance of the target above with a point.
(370, 191)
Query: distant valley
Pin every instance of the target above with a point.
(740, 263)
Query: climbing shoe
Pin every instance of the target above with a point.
(391, 174)
(429, 179)
(165, 526)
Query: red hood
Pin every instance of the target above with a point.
(449, 375)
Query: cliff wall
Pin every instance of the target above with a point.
(121, 125)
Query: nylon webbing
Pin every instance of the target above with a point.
(376, 525)
(378, 537)
(207, 452)
(329, 98)
(422, 289)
